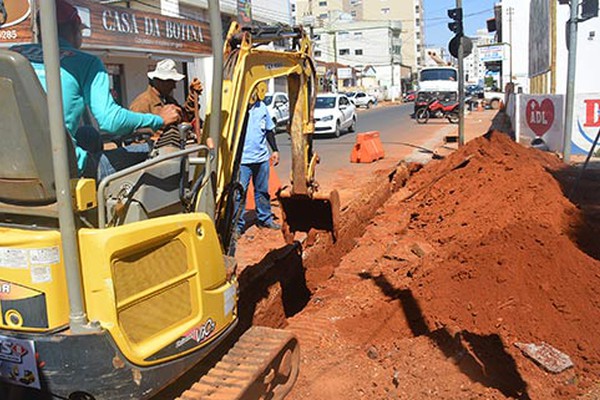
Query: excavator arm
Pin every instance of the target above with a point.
(246, 63)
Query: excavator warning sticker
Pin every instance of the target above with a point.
(41, 274)
(17, 362)
(13, 258)
(46, 255)
(22, 258)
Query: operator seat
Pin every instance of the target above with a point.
(26, 171)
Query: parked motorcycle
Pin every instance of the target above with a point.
(435, 108)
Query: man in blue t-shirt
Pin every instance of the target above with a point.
(85, 83)
(260, 130)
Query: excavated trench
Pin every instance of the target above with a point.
(282, 283)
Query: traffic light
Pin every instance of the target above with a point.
(456, 26)
(589, 9)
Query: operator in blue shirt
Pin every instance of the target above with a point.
(260, 130)
(85, 82)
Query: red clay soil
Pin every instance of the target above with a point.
(478, 252)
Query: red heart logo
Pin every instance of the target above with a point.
(540, 117)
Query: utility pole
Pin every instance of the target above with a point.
(335, 60)
(392, 62)
(458, 28)
(570, 108)
(511, 12)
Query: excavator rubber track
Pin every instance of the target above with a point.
(264, 364)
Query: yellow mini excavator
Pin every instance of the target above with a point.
(114, 289)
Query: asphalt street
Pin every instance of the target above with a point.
(398, 132)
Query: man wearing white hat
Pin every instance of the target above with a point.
(162, 82)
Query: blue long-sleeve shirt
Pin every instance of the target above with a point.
(85, 82)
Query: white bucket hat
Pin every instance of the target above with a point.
(166, 70)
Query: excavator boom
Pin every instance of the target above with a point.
(246, 63)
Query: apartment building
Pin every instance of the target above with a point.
(409, 12)
(362, 45)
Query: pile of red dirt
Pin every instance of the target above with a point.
(505, 258)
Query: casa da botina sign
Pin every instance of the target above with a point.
(135, 30)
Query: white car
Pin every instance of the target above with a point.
(334, 113)
(362, 99)
(279, 108)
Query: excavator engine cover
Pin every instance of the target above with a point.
(305, 213)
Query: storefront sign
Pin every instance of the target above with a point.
(587, 122)
(344, 73)
(491, 53)
(130, 29)
(125, 29)
(541, 118)
(17, 26)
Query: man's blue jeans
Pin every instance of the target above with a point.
(259, 173)
(101, 163)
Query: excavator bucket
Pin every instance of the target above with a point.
(306, 213)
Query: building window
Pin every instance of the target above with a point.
(293, 8)
(397, 49)
(317, 53)
(317, 37)
(353, 13)
(357, 34)
(343, 34)
(358, 52)
(344, 52)
(385, 11)
(417, 22)
(355, 2)
(323, 16)
(418, 35)
(322, 4)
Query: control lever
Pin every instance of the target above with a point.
(184, 129)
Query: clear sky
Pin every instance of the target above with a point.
(437, 34)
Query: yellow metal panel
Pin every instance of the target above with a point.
(147, 318)
(83, 192)
(140, 271)
(152, 282)
(31, 265)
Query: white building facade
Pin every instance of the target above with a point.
(474, 63)
(361, 44)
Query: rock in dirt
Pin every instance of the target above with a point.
(372, 353)
(549, 358)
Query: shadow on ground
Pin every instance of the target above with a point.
(482, 358)
(583, 190)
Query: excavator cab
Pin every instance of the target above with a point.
(114, 289)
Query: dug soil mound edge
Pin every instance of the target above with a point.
(506, 258)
